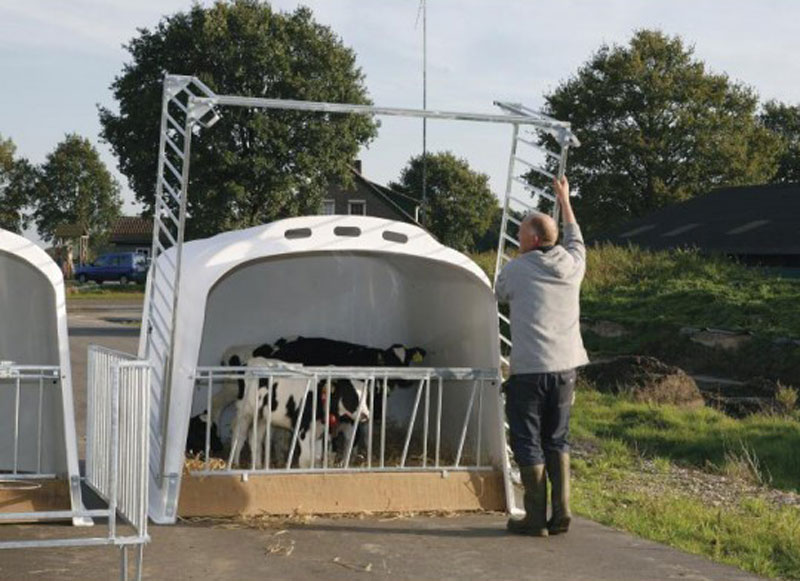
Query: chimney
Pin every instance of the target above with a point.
(357, 165)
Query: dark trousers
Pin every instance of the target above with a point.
(537, 408)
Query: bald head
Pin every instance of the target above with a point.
(536, 230)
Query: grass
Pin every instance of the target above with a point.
(655, 294)
(686, 288)
(753, 534)
(701, 437)
(104, 291)
(682, 288)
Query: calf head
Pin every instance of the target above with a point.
(346, 399)
(401, 356)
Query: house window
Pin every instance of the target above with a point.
(328, 207)
(357, 208)
(143, 252)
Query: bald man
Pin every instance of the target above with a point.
(542, 286)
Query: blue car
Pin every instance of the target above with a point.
(124, 267)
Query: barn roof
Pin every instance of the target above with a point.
(751, 220)
(132, 229)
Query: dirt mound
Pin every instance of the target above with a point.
(644, 379)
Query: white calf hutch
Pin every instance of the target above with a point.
(39, 478)
(357, 279)
(433, 437)
(37, 429)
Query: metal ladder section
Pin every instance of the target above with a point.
(522, 197)
(180, 116)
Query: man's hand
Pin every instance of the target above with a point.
(561, 188)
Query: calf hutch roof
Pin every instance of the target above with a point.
(33, 331)
(750, 220)
(359, 279)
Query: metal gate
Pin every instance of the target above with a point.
(117, 447)
(396, 440)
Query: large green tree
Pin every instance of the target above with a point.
(74, 186)
(252, 166)
(17, 177)
(459, 206)
(656, 128)
(784, 120)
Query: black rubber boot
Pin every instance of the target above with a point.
(558, 471)
(534, 523)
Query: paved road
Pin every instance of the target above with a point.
(463, 547)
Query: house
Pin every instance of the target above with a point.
(367, 198)
(756, 224)
(132, 234)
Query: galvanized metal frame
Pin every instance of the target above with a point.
(481, 381)
(117, 455)
(188, 104)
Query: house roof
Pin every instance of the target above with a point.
(132, 229)
(403, 204)
(750, 220)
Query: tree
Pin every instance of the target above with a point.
(784, 120)
(253, 166)
(17, 177)
(656, 128)
(459, 205)
(74, 186)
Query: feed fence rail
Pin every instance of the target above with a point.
(411, 440)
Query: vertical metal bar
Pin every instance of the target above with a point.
(427, 419)
(90, 411)
(252, 439)
(384, 397)
(39, 427)
(167, 383)
(479, 425)
(411, 424)
(371, 420)
(362, 401)
(326, 436)
(16, 424)
(562, 166)
(123, 574)
(143, 466)
(466, 424)
(438, 421)
(114, 453)
(314, 423)
(509, 184)
(209, 416)
(268, 426)
(296, 431)
(139, 560)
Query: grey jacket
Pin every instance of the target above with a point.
(543, 289)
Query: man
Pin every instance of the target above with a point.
(542, 286)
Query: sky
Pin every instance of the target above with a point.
(59, 57)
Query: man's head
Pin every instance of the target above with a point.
(537, 230)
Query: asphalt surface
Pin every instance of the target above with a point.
(460, 547)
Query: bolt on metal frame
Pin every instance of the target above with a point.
(189, 105)
(376, 382)
(116, 455)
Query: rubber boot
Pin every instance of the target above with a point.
(534, 523)
(558, 471)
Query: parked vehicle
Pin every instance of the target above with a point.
(124, 267)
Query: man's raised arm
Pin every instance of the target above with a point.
(573, 239)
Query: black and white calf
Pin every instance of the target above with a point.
(317, 351)
(278, 402)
